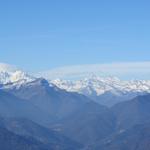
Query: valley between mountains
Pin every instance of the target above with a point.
(96, 113)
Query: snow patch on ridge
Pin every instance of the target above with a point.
(11, 74)
(96, 85)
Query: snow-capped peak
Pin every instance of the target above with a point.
(96, 85)
(90, 86)
(11, 74)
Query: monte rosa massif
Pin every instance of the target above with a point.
(104, 90)
(90, 114)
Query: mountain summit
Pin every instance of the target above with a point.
(104, 90)
(11, 74)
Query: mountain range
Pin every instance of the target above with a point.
(41, 114)
(106, 90)
(103, 90)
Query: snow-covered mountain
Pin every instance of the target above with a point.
(11, 74)
(106, 90)
(99, 85)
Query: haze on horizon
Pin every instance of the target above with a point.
(60, 35)
(123, 71)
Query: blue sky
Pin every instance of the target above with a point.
(45, 34)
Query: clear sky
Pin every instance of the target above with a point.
(44, 34)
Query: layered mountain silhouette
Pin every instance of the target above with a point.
(12, 106)
(132, 112)
(39, 115)
(135, 138)
(132, 126)
(44, 137)
(90, 123)
(56, 102)
(11, 141)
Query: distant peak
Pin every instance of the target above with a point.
(11, 74)
(40, 81)
(100, 85)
